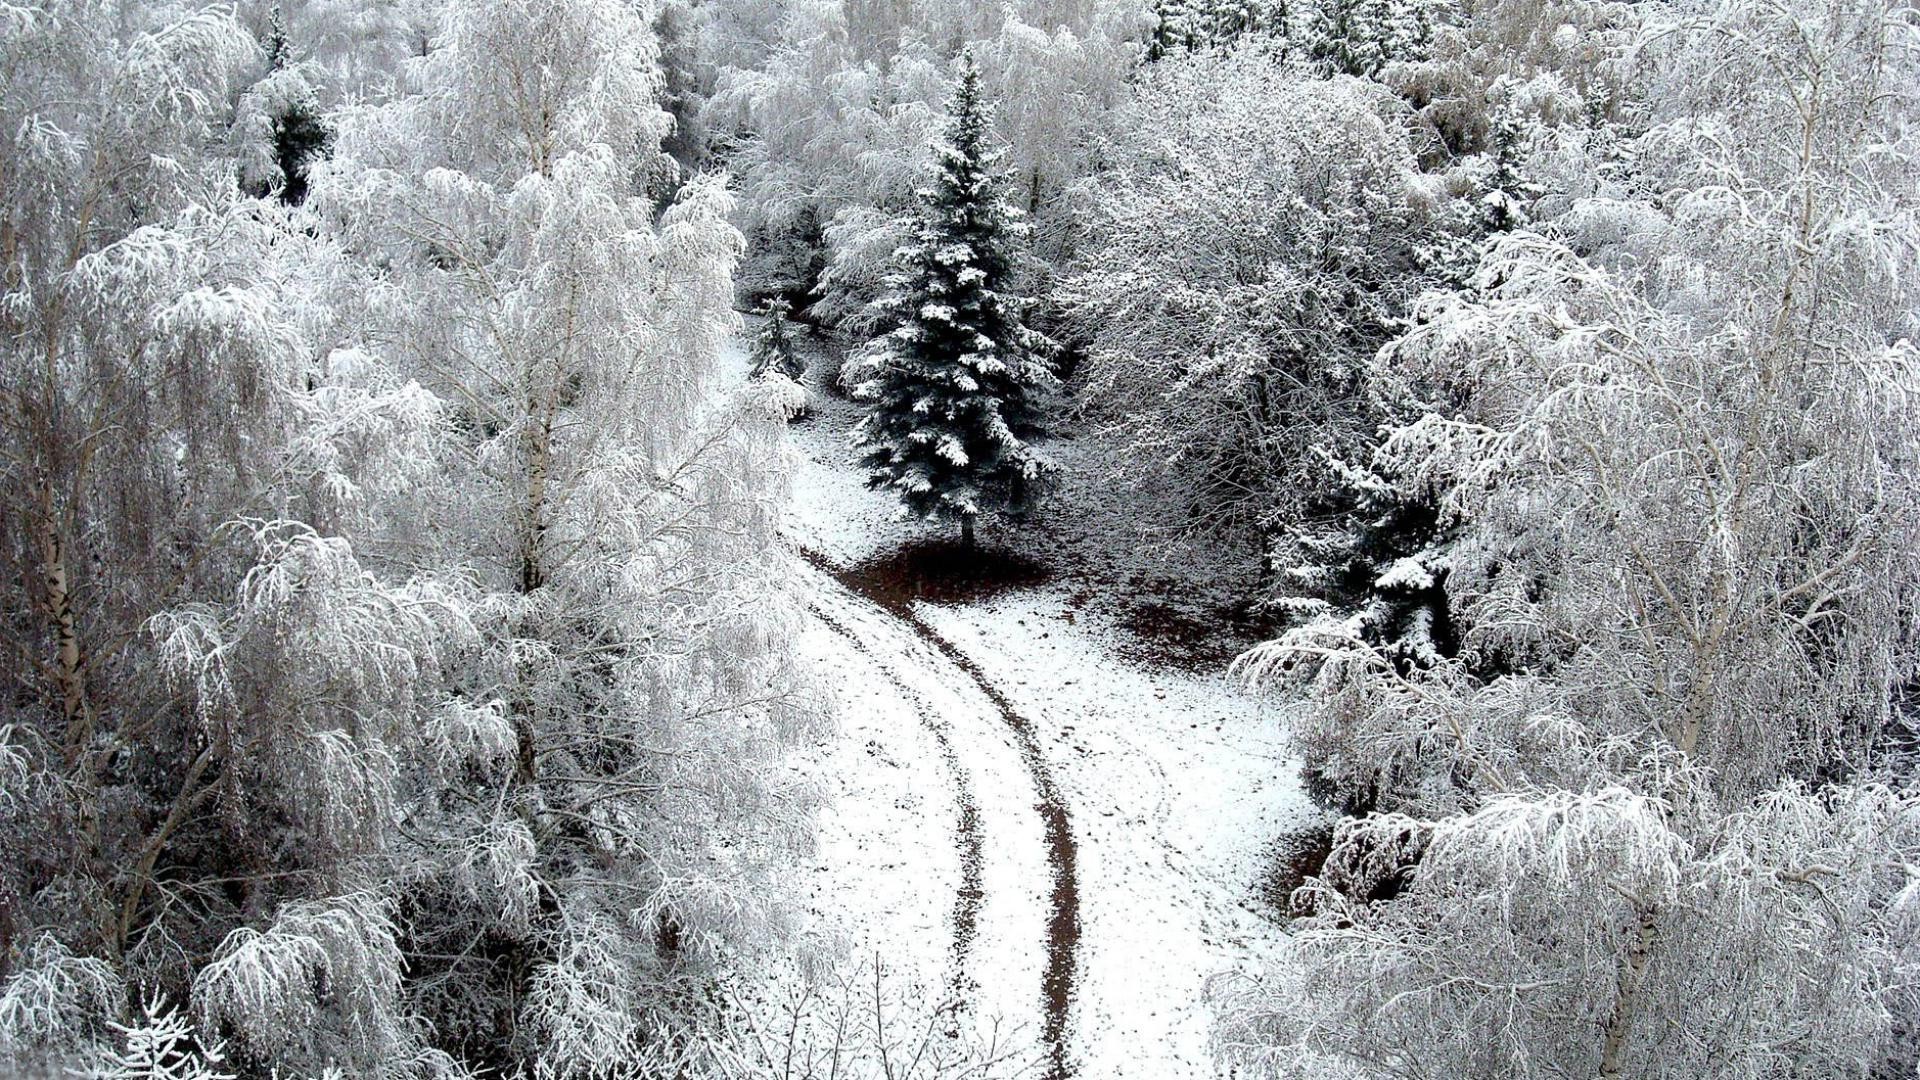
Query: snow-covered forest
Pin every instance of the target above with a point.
(936, 539)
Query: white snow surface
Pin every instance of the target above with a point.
(1175, 784)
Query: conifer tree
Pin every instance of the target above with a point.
(281, 116)
(952, 389)
(773, 347)
(1185, 26)
(777, 366)
(1362, 37)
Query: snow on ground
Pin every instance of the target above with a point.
(907, 684)
(884, 844)
(1175, 783)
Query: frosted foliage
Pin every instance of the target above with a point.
(1503, 957)
(528, 82)
(309, 675)
(833, 120)
(1677, 421)
(355, 48)
(149, 97)
(181, 635)
(1245, 253)
(160, 1045)
(863, 241)
(392, 578)
(614, 801)
(55, 1002)
(326, 967)
(585, 1002)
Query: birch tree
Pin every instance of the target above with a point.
(205, 694)
(1648, 822)
(620, 528)
(397, 680)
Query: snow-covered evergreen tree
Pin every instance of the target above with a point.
(828, 108)
(279, 121)
(1192, 25)
(1380, 560)
(774, 349)
(777, 366)
(955, 388)
(1362, 37)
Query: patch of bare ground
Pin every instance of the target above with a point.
(1289, 861)
(942, 571)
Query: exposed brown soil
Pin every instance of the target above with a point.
(1203, 639)
(941, 572)
(1290, 861)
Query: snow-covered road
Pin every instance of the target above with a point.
(1015, 917)
(1071, 841)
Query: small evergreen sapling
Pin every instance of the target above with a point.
(952, 389)
(776, 362)
(161, 1045)
(773, 347)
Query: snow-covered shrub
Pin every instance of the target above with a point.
(54, 1004)
(1248, 248)
(865, 1022)
(322, 984)
(160, 1045)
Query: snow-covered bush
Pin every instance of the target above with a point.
(54, 1004)
(866, 1022)
(1248, 248)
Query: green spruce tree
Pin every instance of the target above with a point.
(776, 357)
(774, 348)
(952, 390)
(299, 132)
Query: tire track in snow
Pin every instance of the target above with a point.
(1063, 920)
(966, 907)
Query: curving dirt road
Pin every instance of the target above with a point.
(1016, 917)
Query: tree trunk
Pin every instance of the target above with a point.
(1633, 970)
(966, 531)
(69, 670)
(533, 537)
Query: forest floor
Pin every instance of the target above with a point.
(1041, 798)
